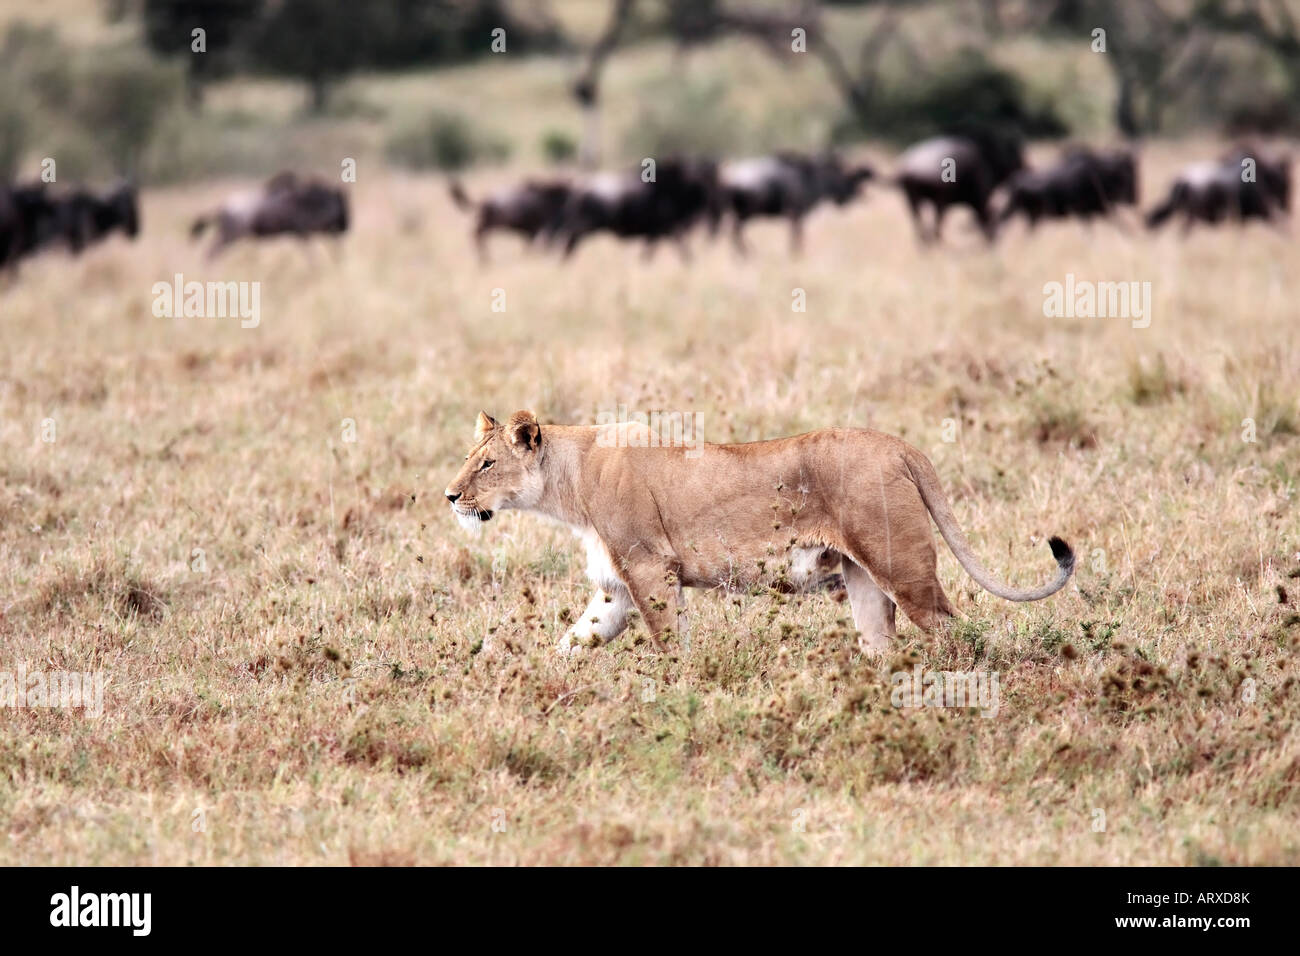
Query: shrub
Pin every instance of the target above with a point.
(691, 118)
(13, 138)
(966, 91)
(558, 146)
(121, 98)
(1151, 382)
(445, 141)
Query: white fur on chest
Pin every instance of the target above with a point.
(600, 564)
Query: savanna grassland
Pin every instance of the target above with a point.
(309, 662)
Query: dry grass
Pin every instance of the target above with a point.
(320, 694)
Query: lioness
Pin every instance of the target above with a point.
(780, 513)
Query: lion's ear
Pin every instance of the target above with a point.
(484, 425)
(524, 430)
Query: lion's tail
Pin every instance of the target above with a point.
(927, 481)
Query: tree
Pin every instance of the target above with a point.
(586, 88)
(780, 30)
(320, 41)
(169, 30)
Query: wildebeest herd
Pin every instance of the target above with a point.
(665, 200)
(34, 217)
(934, 175)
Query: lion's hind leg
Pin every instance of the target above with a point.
(873, 609)
(910, 582)
(924, 603)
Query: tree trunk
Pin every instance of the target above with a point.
(193, 88)
(589, 153)
(320, 94)
(1125, 116)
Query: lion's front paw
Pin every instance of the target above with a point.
(571, 645)
(874, 645)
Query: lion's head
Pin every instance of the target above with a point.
(502, 469)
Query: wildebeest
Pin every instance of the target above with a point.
(960, 169)
(786, 184)
(11, 229)
(285, 204)
(1085, 183)
(682, 192)
(41, 219)
(86, 218)
(29, 218)
(533, 209)
(1229, 188)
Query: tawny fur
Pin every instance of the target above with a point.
(659, 519)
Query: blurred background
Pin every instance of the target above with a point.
(112, 86)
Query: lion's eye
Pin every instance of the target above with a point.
(487, 463)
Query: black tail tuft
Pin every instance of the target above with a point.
(1062, 552)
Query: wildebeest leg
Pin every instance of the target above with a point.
(738, 235)
(987, 225)
(648, 250)
(309, 250)
(218, 245)
(1276, 221)
(9, 258)
(541, 239)
(1009, 211)
(796, 234)
(940, 210)
(226, 234)
(571, 243)
(333, 250)
(480, 243)
(683, 247)
(914, 204)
